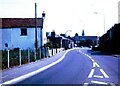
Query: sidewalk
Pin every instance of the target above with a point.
(12, 73)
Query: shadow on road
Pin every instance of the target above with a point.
(98, 52)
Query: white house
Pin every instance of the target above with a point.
(20, 33)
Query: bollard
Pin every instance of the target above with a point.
(8, 58)
(50, 52)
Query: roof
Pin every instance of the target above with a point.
(20, 22)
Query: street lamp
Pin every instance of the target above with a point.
(103, 20)
(43, 17)
(67, 43)
(67, 31)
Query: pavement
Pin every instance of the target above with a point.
(15, 72)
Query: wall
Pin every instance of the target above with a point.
(13, 37)
(6, 37)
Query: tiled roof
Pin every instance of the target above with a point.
(20, 22)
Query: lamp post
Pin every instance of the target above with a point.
(43, 17)
(67, 43)
(67, 31)
(103, 20)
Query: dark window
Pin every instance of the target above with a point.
(23, 31)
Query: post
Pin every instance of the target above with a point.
(40, 52)
(34, 55)
(20, 57)
(8, 58)
(43, 17)
(28, 55)
(41, 43)
(36, 44)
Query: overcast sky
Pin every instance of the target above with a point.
(63, 15)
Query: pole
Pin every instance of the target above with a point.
(41, 42)
(28, 55)
(8, 58)
(20, 57)
(36, 31)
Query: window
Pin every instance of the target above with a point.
(24, 31)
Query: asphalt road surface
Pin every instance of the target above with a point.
(80, 66)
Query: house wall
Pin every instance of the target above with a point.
(6, 37)
(12, 36)
(0, 38)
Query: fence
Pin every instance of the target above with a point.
(17, 57)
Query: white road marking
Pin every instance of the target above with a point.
(91, 73)
(16, 80)
(95, 64)
(85, 84)
(98, 82)
(105, 75)
(90, 57)
(97, 76)
(93, 60)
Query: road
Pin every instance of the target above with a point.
(80, 66)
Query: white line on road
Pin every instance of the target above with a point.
(105, 75)
(93, 60)
(97, 76)
(85, 84)
(98, 82)
(95, 64)
(90, 57)
(91, 73)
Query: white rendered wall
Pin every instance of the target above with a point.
(14, 39)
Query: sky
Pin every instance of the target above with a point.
(64, 15)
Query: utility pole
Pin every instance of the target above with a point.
(36, 44)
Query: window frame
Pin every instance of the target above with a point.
(23, 31)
